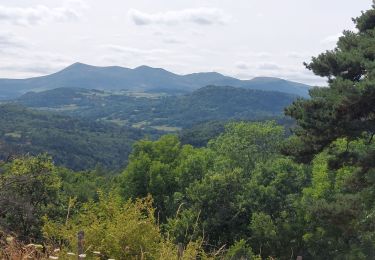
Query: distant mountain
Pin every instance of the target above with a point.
(142, 78)
(162, 112)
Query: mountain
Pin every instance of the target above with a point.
(162, 112)
(142, 78)
(74, 143)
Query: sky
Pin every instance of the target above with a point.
(239, 38)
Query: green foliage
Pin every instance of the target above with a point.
(243, 182)
(163, 168)
(245, 144)
(335, 130)
(345, 109)
(83, 186)
(28, 190)
(200, 134)
(263, 228)
(337, 203)
(150, 111)
(74, 143)
(118, 230)
(217, 201)
(241, 251)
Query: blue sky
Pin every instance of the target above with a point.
(241, 38)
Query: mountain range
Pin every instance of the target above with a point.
(143, 78)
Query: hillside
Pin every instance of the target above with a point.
(77, 144)
(224, 103)
(159, 111)
(142, 78)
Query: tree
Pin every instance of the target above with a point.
(249, 181)
(117, 229)
(29, 189)
(164, 169)
(244, 144)
(346, 108)
(335, 130)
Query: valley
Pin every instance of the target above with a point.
(81, 128)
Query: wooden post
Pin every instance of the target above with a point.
(180, 252)
(81, 242)
(299, 257)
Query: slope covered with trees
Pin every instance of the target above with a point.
(77, 144)
(161, 111)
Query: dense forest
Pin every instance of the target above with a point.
(160, 111)
(77, 144)
(254, 191)
(81, 129)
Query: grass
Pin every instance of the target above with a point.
(117, 121)
(13, 135)
(141, 124)
(166, 128)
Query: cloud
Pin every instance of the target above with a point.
(199, 16)
(242, 65)
(40, 14)
(297, 55)
(23, 59)
(268, 66)
(172, 41)
(136, 51)
(10, 41)
(30, 68)
(258, 55)
(331, 38)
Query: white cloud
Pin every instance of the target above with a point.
(258, 55)
(10, 41)
(40, 14)
(269, 66)
(172, 41)
(131, 50)
(38, 68)
(31, 65)
(199, 16)
(331, 39)
(298, 55)
(22, 58)
(242, 65)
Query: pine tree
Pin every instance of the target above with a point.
(347, 107)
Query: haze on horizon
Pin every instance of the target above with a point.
(242, 38)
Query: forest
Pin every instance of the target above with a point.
(76, 144)
(255, 190)
(155, 110)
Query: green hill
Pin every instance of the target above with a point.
(77, 144)
(160, 111)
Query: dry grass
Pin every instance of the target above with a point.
(12, 249)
